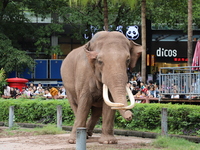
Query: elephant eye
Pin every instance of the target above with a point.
(127, 61)
(100, 62)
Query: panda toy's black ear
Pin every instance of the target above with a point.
(136, 26)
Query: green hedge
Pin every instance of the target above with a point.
(181, 118)
(36, 110)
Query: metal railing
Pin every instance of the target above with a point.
(180, 81)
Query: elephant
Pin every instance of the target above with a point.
(95, 78)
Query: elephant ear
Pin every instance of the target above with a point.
(135, 52)
(91, 54)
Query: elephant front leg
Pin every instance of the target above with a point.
(107, 136)
(80, 120)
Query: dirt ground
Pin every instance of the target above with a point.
(27, 141)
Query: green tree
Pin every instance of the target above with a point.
(105, 7)
(167, 14)
(47, 9)
(81, 18)
(15, 24)
(15, 27)
(2, 80)
(178, 14)
(13, 59)
(43, 34)
(12, 28)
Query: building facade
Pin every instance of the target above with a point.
(165, 48)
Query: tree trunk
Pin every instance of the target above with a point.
(4, 5)
(189, 55)
(143, 63)
(105, 5)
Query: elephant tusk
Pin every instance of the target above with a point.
(106, 99)
(132, 99)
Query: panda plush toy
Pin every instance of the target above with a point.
(132, 32)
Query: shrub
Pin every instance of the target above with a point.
(36, 111)
(183, 119)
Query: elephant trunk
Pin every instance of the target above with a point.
(120, 101)
(117, 97)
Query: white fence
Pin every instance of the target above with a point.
(180, 80)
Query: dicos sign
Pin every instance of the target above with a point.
(162, 52)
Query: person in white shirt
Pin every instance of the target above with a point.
(39, 91)
(175, 95)
(47, 94)
(39, 85)
(6, 92)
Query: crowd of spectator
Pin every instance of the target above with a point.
(32, 91)
(151, 89)
(141, 89)
(138, 88)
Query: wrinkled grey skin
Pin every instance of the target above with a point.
(103, 60)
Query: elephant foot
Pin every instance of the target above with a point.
(89, 132)
(72, 139)
(108, 139)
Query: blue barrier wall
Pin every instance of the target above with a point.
(55, 65)
(41, 69)
(44, 69)
(27, 74)
(12, 74)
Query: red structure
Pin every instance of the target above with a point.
(17, 82)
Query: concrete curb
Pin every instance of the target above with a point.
(195, 139)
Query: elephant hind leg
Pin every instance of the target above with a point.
(96, 113)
